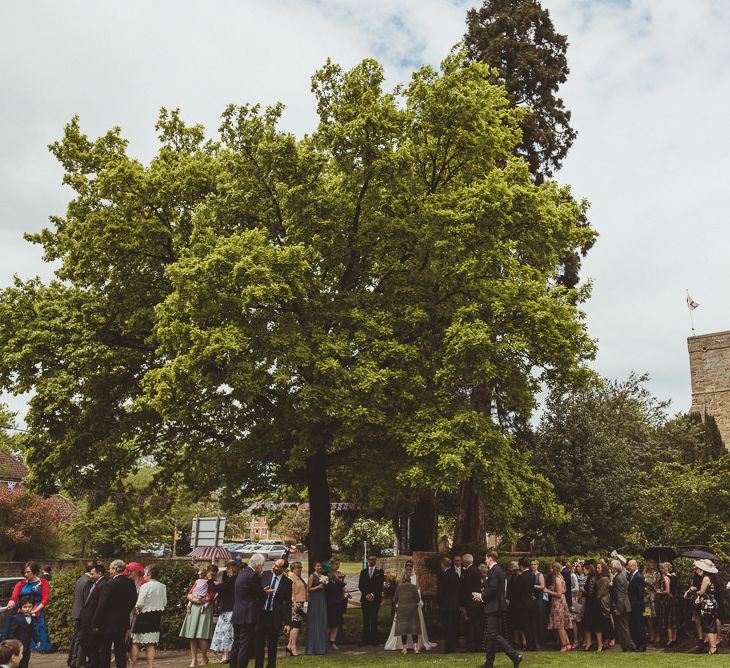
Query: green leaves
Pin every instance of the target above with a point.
(380, 297)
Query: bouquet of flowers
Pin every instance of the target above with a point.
(323, 579)
(389, 585)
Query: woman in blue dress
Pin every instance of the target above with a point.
(37, 588)
(317, 639)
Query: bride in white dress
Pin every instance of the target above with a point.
(394, 641)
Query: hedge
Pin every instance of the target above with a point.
(176, 575)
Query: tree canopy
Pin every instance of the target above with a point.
(621, 466)
(260, 310)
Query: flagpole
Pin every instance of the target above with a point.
(691, 318)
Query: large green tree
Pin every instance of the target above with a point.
(517, 38)
(688, 504)
(609, 449)
(263, 311)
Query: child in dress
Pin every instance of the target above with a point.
(200, 587)
(22, 627)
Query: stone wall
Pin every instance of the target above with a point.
(709, 364)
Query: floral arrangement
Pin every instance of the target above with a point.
(324, 579)
(389, 584)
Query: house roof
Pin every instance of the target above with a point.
(63, 507)
(11, 468)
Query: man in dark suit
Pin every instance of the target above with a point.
(111, 619)
(248, 598)
(525, 602)
(81, 591)
(638, 605)
(275, 613)
(447, 597)
(370, 585)
(495, 607)
(88, 639)
(621, 606)
(471, 581)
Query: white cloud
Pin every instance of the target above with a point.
(648, 91)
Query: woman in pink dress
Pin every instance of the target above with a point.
(559, 619)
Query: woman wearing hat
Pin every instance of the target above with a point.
(135, 572)
(707, 602)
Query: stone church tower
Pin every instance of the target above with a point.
(709, 367)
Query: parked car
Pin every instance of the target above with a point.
(157, 550)
(6, 591)
(250, 549)
(272, 551)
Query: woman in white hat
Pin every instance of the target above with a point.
(707, 602)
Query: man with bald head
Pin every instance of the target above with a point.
(275, 613)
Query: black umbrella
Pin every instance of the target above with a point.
(700, 554)
(659, 553)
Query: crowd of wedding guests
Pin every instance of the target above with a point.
(253, 607)
(241, 610)
(591, 605)
(117, 611)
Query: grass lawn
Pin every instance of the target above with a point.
(347, 567)
(612, 659)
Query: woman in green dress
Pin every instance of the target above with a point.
(198, 623)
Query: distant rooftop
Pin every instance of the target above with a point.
(11, 468)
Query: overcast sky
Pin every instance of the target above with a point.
(649, 90)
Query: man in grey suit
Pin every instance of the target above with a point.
(249, 596)
(76, 657)
(621, 606)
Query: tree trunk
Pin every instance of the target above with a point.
(318, 543)
(424, 524)
(470, 520)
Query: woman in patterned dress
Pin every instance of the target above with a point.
(707, 602)
(37, 588)
(559, 619)
(225, 590)
(151, 601)
(298, 599)
(652, 579)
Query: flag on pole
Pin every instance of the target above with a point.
(691, 303)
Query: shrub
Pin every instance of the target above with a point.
(178, 577)
(60, 623)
